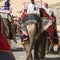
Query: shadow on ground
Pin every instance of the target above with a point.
(17, 50)
(58, 58)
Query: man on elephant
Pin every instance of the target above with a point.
(32, 7)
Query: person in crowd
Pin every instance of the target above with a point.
(7, 5)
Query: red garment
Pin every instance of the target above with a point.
(46, 14)
(0, 25)
(4, 46)
(49, 30)
(23, 14)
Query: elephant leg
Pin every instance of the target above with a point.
(39, 47)
(43, 45)
(36, 48)
(27, 44)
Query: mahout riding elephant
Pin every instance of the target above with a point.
(32, 25)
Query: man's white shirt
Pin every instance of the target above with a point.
(30, 8)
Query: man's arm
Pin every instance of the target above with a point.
(37, 9)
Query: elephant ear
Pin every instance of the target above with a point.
(46, 23)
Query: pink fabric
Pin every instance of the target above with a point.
(23, 14)
(3, 43)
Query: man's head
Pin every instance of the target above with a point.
(46, 5)
(32, 1)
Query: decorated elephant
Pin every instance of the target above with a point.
(34, 27)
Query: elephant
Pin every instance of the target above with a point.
(32, 25)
